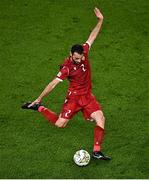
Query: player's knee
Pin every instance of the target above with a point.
(98, 115)
(103, 119)
(61, 123)
(99, 118)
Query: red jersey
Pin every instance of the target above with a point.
(79, 75)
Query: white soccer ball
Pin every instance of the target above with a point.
(81, 158)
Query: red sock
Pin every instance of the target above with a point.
(48, 114)
(98, 137)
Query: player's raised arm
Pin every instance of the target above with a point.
(97, 28)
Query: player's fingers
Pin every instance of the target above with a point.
(96, 9)
(95, 12)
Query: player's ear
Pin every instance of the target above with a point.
(70, 53)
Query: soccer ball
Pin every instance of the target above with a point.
(81, 158)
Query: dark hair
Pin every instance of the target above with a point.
(77, 48)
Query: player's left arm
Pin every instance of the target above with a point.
(97, 28)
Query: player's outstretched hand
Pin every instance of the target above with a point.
(98, 13)
(37, 101)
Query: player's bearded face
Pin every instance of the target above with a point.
(77, 58)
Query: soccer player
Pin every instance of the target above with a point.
(76, 69)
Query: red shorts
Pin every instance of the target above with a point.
(85, 103)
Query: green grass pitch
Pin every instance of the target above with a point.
(35, 37)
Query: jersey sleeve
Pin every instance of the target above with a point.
(86, 47)
(63, 73)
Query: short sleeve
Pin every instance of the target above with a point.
(86, 47)
(63, 73)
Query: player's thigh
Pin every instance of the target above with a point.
(99, 118)
(69, 109)
(91, 107)
(61, 122)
